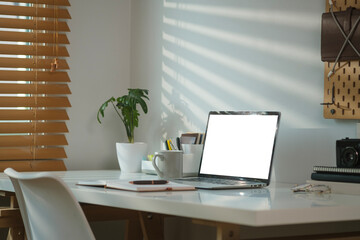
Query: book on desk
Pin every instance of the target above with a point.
(340, 180)
(336, 174)
(332, 169)
(128, 186)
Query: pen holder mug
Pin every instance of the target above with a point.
(191, 158)
(168, 163)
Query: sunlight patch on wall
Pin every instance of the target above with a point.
(215, 80)
(233, 89)
(168, 4)
(197, 113)
(193, 87)
(206, 96)
(168, 90)
(169, 106)
(293, 86)
(164, 115)
(195, 109)
(171, 72)
(224, 84)
(213, 59)
(164, 100)
(167, 87)
(284, 18)
(282, 49)
(190, 85)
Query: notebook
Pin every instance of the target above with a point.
(129, 186)
(238, 150)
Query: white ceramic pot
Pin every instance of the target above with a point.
(130, 156)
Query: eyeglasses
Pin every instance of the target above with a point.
(311, 188)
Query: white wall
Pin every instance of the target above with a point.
(100, 68)
(201, 55)
(195, 56)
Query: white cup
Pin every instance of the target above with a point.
(168, 163)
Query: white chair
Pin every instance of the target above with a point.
(48, 208)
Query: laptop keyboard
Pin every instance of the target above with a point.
(213, 180)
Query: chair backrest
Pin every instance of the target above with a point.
(48, 208)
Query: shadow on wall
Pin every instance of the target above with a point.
(238, 55)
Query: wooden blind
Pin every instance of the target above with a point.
(33, 83)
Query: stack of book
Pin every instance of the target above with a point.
(336, 174)
(185, 138)
(192, 138)
(340, 180)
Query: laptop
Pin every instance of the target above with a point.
(238, 150)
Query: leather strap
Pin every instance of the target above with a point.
(332, 38)
(347, 20)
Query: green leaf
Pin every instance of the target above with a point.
(127, 105)
(102, 108)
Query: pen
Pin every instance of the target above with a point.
(151, 182)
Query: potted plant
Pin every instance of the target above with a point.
(129, 154)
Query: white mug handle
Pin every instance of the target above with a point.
(160, 173)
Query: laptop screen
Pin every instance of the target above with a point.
(239, 144)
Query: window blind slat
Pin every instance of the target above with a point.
(34, 76)
(34, 102)
(32, 140)
(33, 127)
(6, 88)
(33, 93)
(31, 37)
(33, 165)
(48, 2)
(34, 12)
(31, 115)
(31, 63)
(33, 50)
(27, 153)
(33, 25)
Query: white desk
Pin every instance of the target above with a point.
(275, 206)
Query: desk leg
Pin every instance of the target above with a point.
(16, 233)
(152, 225)
(133, 230)
(227, 232)
(223, 231)
(17, 230)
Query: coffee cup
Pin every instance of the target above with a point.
(168, 163)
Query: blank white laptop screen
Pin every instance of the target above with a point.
(244, 142)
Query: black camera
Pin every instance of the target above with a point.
(347, 153)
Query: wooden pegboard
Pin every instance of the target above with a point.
(345, 82)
